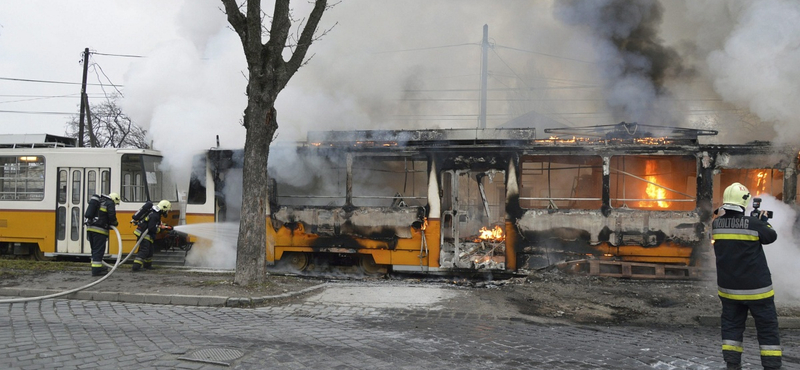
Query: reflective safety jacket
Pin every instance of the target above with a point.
(151, 223)
(742, 271)
(106, 217)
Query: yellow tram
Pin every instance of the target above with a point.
(45, 183)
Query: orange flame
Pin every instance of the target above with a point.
(493, 235)
(761, 182)
(652, 190)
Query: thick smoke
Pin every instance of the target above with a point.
(783, 256)
(633, 61)
(416, 64)
(756, 67)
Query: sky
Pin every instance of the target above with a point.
(724, 65)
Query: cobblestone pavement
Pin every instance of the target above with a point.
(73, 334)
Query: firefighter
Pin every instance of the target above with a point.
(744, 279)
(103, 216)
(152, 223)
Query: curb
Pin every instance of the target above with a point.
(182, 300)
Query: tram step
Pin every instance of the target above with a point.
(169, 257)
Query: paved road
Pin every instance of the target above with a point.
(330, 330)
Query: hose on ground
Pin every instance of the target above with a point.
(113, 268)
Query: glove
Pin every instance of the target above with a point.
(165, 227)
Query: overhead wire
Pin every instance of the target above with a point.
(524, 82)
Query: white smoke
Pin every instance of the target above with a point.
(756, 68)
(189, 90)
(783, 256)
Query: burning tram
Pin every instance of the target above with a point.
(434, 201)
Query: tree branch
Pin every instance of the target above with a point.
(304, 42)
(236, 18)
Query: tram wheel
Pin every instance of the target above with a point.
(294, 261)
(37, 254)
(368, 266)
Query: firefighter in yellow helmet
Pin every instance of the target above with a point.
(100, 215)
(152, 223)
(743, 278)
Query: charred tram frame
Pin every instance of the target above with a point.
(503, 199)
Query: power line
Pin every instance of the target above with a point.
(46, 81)
(543, 54)
(428, 48)
(32, 112)
(118, 55)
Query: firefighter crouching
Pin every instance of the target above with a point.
(100, 215)
(744, 279)
(152, 223)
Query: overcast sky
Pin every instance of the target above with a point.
(725, 65)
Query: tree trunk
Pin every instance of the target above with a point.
(252, 243)
(268, 75)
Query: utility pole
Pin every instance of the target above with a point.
(84, 97)
(484, 74)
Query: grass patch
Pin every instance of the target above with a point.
(33, 266)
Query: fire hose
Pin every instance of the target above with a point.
(98, 281)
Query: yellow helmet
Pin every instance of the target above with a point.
(736, 194)
(164, 206)
(114, 197)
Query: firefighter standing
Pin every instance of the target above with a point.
(151, 223)
(98, 221)
(744, 279)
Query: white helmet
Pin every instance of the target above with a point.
(164, 206)
(736, 194)
(114, 197)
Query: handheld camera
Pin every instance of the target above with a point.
(756, 211)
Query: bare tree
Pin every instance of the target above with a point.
(108, 127)
(268, 75)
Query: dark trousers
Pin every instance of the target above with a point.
(98, 242)
(733, 319)
(145, 253)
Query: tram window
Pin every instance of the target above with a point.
(310, 180)
(62, 187)
(382, 183)
(76, 187)
(22, 177)
(75, 223)
(138, 188)
(61, 223)
(197, 182)
(760, 182)
(561, 182)
(127, 191)
(143, 179)
(105, 181)
(653, 182)
(159, 182)
(91, 183)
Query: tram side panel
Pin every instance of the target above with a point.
(43, 194)
(626, 206)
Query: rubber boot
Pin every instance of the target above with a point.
(137, 266)
(148, 265)
(732, 366)
(99, 271)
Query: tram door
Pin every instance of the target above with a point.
(75, 186)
